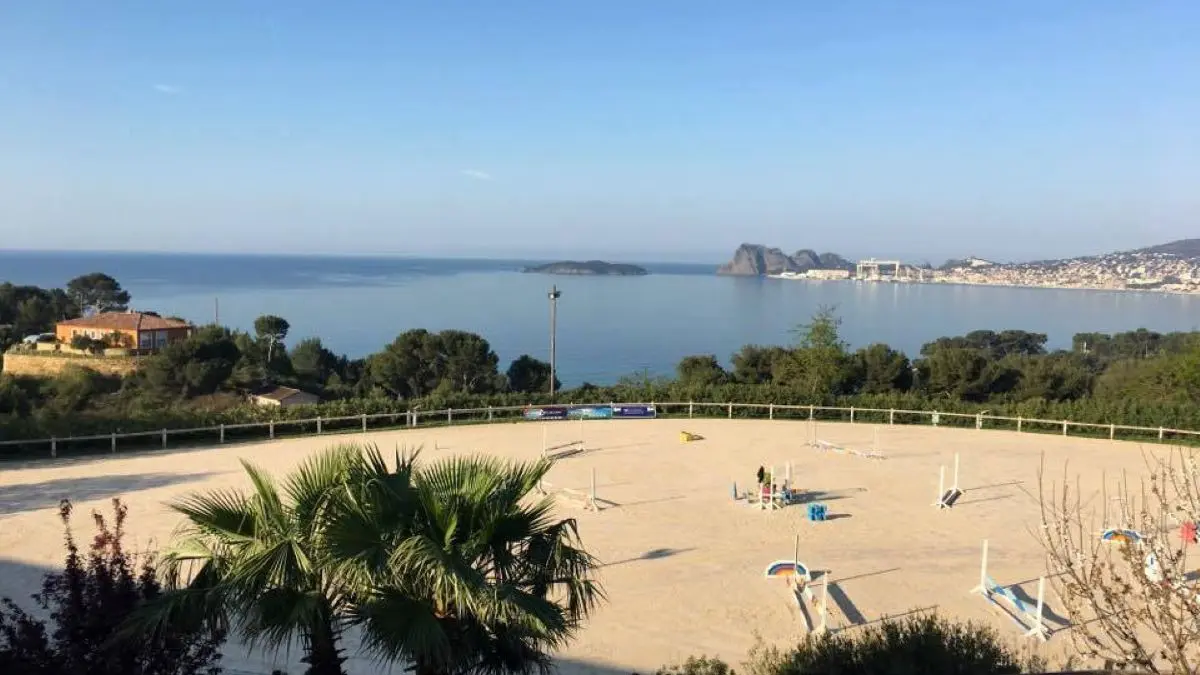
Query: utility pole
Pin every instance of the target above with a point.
(217, 311)
(553, 295)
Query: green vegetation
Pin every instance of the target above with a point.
(1139, 378)
(97, 590)
(452, 567)
(919, 644)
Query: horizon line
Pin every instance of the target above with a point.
(360, 256)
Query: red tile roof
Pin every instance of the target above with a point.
(125, 321)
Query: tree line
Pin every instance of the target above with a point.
(1140, 378)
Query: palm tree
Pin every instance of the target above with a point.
(452, 569)
(481, 579)
(256, 560)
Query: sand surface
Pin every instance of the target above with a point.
(684, 563)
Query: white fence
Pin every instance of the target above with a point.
(256, 431)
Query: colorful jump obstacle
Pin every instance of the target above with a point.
(1028, 618)
(947, 497)
(1121, 535)
(688, 437)
(767, 496)
(799, 577)
(817, 512)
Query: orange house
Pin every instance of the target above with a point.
(130, 330)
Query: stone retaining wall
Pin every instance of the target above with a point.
(45, 365)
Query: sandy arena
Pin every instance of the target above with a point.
(684, 563)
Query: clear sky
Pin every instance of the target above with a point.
(642, 129)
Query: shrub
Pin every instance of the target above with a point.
(923, 644)
(87, 602)
(703, 665)
(919, 644)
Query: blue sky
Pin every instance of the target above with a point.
(648, 129)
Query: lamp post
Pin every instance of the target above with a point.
(553, 295)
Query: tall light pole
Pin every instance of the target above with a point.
(553, 295)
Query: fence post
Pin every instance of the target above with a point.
(851, 414)
(449, 415)
(978, 421)
(934, 418)
(1112, 431)
(318, 424)
(364, 421)
(114, 441)
(1160, 433)
(271, 428)
(691, 406)
(892, 416)
(54, 447)
(222, 433)
(1064, 427)
(730, 411)
(164, 439)
(771, 411)
(810, 413)
(1018, 425)
(489, 413)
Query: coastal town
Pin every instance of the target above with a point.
(1169, 268)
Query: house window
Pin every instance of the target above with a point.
(160, 338)
(145, 340)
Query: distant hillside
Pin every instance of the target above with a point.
(758, 260)
(1184, 248)
(589, 267)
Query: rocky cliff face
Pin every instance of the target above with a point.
(757, 260)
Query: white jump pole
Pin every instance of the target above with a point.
(1036, 629)
(941, 484)
(983, 579)
(824, 605)
(875, 442)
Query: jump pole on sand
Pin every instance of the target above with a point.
(946, 498)
(807, 594)
(989, 589)
(590, 502)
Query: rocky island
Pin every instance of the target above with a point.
(589, 267)
(758, 260)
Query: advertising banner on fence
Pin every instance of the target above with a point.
(633, 411)
(547, 413)
(590, 412)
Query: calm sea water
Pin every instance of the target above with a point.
(607, 326)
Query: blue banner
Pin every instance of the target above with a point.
(590, 412)
(548, 413)
(633, 411)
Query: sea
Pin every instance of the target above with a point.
(607, 327)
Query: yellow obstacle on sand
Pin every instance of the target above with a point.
(688, 437)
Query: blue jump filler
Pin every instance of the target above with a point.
(816, 512)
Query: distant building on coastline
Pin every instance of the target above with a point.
(143, 331)
(284, 397)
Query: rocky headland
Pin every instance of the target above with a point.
(758, 260)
